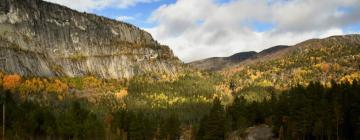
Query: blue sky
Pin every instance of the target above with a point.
(353, 28)
(138, 14)
(197, 29)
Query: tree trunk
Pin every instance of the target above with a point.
(3, 130)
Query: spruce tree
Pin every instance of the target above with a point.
(216, 122)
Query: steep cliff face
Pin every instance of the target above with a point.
(44, 39)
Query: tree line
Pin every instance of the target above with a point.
(302, 112)
(74, 118)
(307, 112)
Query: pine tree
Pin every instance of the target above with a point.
(171, 128)
(135, 127)
(215, 126)
(236, 113)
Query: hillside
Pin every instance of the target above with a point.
(220, 63)
(38, 38)
(334, 58)
(71, 75)
(172, 107)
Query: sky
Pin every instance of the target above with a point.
(198, 29)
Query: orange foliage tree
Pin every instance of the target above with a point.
(325, 67)
(11, 81)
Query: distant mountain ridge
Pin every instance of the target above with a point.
(219, 63)
(246, 58)
(335, 58)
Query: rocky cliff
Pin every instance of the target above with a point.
(38, 38)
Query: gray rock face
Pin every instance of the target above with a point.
(42, 39)
(259, 132)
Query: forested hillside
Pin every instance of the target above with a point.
(302, 112)
(159, 106)
(311, 92)
(306, 91)
(335, 58)
(188, 107)
(70, 75)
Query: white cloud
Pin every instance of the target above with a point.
(197, 29)
(125, 18)
(89, 5)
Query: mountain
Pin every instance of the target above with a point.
(273, 49)
(219, 63)
(335, 58)
(38, 38)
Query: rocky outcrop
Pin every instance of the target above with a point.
(38, 38)
(259, 132)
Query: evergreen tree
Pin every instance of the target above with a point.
(135, 127)
(215, 124)
(236, 113)
(171, 128)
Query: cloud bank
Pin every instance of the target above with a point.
(197, 29)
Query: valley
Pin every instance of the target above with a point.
(71, 75)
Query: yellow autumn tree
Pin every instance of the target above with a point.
(1, 77)
(91, 82)
(336, 67)
(57, 87)
(34, 85)
(350, 78)
(121, 94)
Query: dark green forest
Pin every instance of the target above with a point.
(311, 112)
(302, 112)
